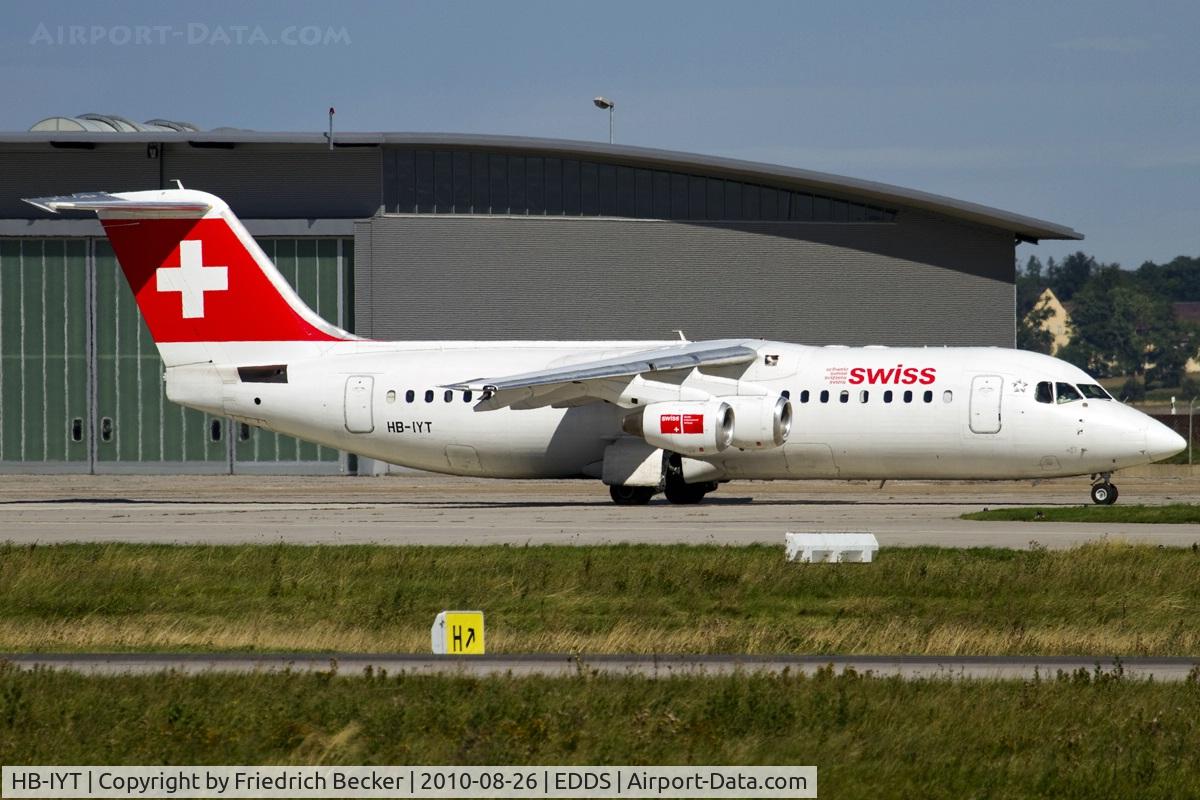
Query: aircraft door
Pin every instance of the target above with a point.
(985, 403)
(359, 416)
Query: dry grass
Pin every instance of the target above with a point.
(1099, 600)
(854, 636)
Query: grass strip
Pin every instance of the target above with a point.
(1101, 599)
(1084, 735)
(1174, 514)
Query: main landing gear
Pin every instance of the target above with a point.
(1103, 492)
(676, 489)
(678, 493)
(686, 494)
(631, 495)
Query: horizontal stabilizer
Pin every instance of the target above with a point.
(103, 201)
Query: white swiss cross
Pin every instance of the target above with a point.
(192, 278)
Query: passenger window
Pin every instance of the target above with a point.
(908, 396)
(448, 396)
(409, 396)
(928, 396)
(1067, 393)
(786, 394)
(391, 395)
(844, 396)
(863, 396)
(804, 396)
(947, 396)
(1044, 392)
(887, 396)
(824, 395)
(1094, 392)
(429, 395)
(467, 396)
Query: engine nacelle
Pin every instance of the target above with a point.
(762, 422)
(691, 429)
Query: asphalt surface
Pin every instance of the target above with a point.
(909, 667)
(431, 510)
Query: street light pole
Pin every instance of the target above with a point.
(605, 103)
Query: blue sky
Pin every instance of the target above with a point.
(1083, 113)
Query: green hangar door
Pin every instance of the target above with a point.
(81, 384)
(44, 377)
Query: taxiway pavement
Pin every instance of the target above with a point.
(404, 510)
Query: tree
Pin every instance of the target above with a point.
(1030, 285)
(1119, 329)
(1031, 335)
(1178, 281)
(1069, 276)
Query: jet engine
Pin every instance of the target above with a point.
(687, 428)
(762, 422)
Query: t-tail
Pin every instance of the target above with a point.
(207, 291)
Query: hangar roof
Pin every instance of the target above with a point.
(1024, 227)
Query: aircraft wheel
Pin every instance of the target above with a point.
(631, 495)
(686, 493)
(1104, 494)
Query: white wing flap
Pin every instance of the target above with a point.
(597, 379)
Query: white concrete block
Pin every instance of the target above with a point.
(817, 547)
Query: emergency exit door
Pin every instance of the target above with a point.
(985, 403)
(359, 417)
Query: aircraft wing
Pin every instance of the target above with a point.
(603, 379)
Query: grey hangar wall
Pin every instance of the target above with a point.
(427, 277)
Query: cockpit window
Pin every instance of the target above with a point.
(1044, 392)
(1067, 393)
(1093, 391)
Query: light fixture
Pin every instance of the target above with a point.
(603, 103)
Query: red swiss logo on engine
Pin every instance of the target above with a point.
(681, 423)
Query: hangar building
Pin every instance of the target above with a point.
(454, 236)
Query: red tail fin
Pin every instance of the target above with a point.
(195, 281)
(198, 275)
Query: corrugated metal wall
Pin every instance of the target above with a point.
(81, 381)
(920, 281)
(282, 182)
(264, 182)
(44, 171)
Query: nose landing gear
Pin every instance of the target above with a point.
(1103, 492)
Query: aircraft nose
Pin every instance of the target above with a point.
(1162, 442)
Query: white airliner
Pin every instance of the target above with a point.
(644, 417)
